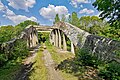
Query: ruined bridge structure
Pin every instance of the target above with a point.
(101, 47)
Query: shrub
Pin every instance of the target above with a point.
(3, 59)
(111, 71)
(86, 59)
(20, 49)
(42, 37)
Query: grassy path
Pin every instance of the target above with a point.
(39, 70)
(59, 56)
(45, 64)
(49, 63)
(40, 66)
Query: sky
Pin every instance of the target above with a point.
(13, 12)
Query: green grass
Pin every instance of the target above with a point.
(58, 58)
(10, 70)
(39, 71)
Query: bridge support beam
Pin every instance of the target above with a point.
(51, 37)
(59, 34)
(33, 40)
(31, 44)
(36, 39)
(72, 48)
(64, 43)
(56, 38)
(28, 43)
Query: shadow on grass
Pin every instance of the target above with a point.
(25, 71)
(72, 66)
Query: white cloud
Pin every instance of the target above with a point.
(76, 3)
(13, 17)
(86, 11)
(51, 11)
(67, 16)
(21, 4)
(2, 7)
(81, 6)
(20, 18)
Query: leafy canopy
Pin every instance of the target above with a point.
(9, 32)
(110, 9)
(57, 19)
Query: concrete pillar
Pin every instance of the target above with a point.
(59, 34)
(50, 37)
(53, 37)
(32, 39)
(28, 43)
(35, 39)
(64, 43)
(56, 37)
(31, 45)
(72, 48)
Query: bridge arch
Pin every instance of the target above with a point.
(31, 36)
(99, 46)
(59, 39)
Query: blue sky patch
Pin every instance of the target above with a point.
(13, 12)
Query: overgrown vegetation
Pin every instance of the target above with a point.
(19, 48)
(109, 9)
(10, 32)
(11, 61)
(85, 66)
(11, 56)
(110, 71)
(10, 70)
(42, 37)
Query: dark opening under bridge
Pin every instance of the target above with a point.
(101, 47)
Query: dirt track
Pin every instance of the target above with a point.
(49, 63)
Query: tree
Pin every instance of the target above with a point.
(69, 19)
(63, 18)
(92, 24)
(6, 33)
(57, 19)
(26, 23)
(110, 9)
(75, 19)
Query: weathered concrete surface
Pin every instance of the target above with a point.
(101, 47)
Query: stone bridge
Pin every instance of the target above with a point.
(103, 48)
